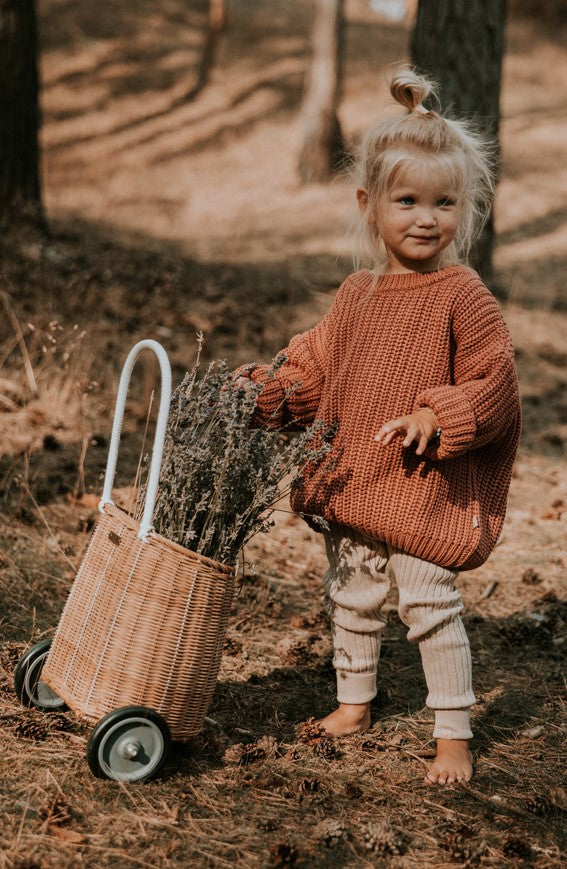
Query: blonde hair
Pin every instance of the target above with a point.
(440, 144)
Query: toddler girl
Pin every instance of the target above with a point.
(414, 365)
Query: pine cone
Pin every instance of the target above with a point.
(325, 748)
(31, 728)
(456, 845)
(232, 647)
(309, 786)
(57, 812)
(235, 753)
(311, 789)
(531, 577)
(517, 848)
(284, 854)
(269, 825)
(330, 832)
(252, 752)
(300, 653)
(310, 731)
(28, 864)
(61, 723)
(352, 791)
(269, 745)
(539, 805)
(383, 839)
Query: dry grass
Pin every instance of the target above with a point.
(45, 382)
(250, 791)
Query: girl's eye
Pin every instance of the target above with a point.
(445, 202)
(407, 200)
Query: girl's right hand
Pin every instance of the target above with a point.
(243, 383)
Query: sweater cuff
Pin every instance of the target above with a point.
(269, 403)
(456, 421)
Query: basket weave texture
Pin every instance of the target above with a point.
(144, 624)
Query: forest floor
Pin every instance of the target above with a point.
(170, 216)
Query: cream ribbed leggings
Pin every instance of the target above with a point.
(357, 583)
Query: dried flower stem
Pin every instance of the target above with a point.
(221, 478)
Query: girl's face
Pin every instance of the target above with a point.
(417, 218)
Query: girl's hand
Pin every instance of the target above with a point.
(419, 426)
(243, 383)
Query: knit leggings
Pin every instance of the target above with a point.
(357, 583)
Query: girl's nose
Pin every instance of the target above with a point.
(425, 217)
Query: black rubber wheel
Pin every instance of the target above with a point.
(27, 679)
(129, 744)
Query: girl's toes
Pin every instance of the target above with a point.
(433, 777)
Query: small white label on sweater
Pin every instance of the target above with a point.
(475, 522)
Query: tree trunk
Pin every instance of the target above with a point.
(216, 26)
(20, 194)
(323, 149)
(459, 44)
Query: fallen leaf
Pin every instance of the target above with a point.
(87, 499)
(66, 835)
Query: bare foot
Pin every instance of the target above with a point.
(452, 764)
(348, 718)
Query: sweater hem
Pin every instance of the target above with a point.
(462, 556)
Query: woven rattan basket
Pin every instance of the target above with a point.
(144, 623)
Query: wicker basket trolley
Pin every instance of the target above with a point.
(137, 650)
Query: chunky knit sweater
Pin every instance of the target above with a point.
(388, 346)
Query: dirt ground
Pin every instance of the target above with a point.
(169, 216)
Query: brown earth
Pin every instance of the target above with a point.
(171, 215)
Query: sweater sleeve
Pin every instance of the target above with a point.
(482, 403)
(291, 389)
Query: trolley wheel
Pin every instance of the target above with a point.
(27, 679)
(129, 744)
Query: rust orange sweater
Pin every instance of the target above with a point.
(387, 347)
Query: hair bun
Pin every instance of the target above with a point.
(410, 89)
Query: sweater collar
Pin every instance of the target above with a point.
(410, 280)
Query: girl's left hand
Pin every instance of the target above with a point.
(419, 426)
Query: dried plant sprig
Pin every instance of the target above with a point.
(220, 477)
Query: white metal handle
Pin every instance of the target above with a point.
(159, 437)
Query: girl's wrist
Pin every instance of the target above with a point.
(432, 418)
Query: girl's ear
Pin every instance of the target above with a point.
(362, 198)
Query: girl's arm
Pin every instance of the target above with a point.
(291, 389)
(482, 405)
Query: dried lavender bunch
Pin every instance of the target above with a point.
(220, 478)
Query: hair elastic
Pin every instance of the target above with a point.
(421, 109)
